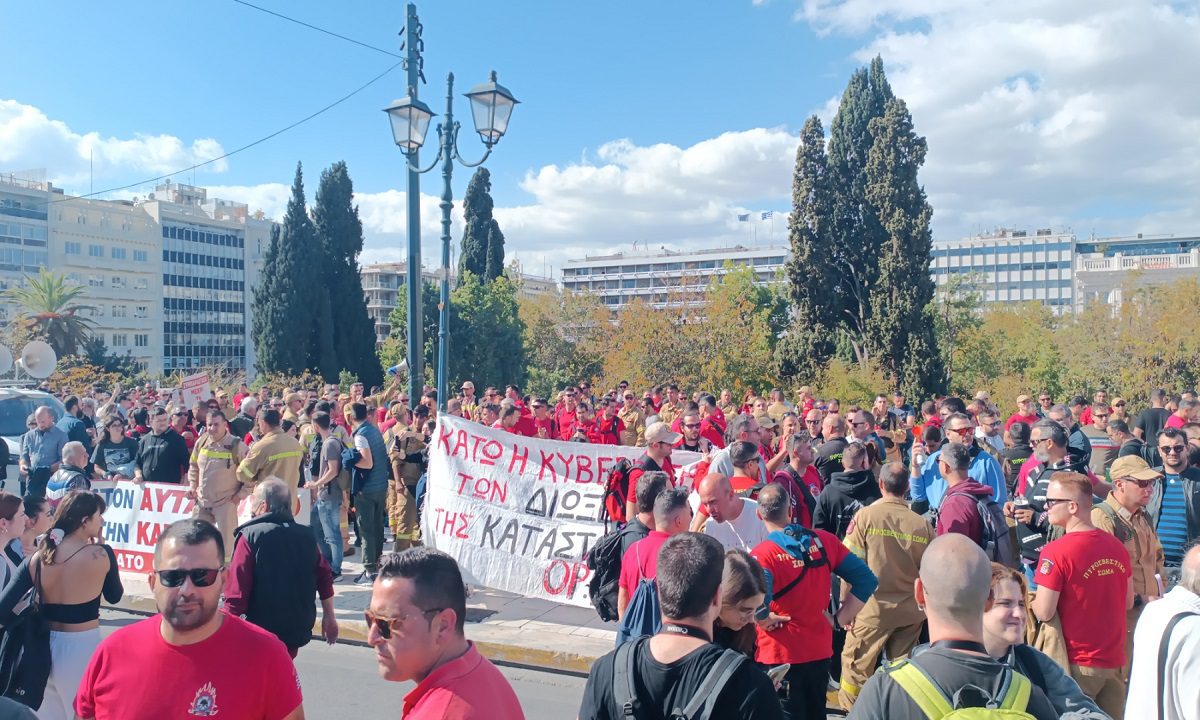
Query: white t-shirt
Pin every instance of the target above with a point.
(744, 533)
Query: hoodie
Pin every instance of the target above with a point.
(846, 494)
(959, 512)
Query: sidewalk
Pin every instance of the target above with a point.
(505, 627)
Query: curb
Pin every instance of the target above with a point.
(491, 647)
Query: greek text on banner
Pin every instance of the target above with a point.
(519, 514)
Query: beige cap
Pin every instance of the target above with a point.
(661, 432)
(1132, 466)
(293, 397)
(1023, 398)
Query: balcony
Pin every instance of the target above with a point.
(1121, 263)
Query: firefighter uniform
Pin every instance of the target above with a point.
(276, 454)
(213, 477)
(404, 454)
(891, 539)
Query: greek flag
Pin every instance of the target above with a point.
(768, 215)
(743, 217)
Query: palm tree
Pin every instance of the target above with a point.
(48, 310)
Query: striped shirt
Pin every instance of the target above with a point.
(1172, 520)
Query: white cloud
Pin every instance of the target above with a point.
(1076, 112)
(29, 140)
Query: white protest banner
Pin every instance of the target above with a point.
(519, 514)
(137, 515)
(194, 389)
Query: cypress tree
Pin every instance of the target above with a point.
(900, 332)
(477, 214)
(285, 314)
(495, 253)
(339, 233)
(810, 339)
(857, 235)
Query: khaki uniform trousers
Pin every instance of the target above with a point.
(864, 645)
(1105, 686)
(224, 516)
(402, 506)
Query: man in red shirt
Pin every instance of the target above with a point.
(1099, 400)
(514, 422)
(672, 515)
(608, 426)
(415, 623)
(800, 478)
(801, 564)
(1184, 415)
(1023, 414)
(1085, 578)
(545, 426)
(565, 415)
(190, 647)
(659, 442)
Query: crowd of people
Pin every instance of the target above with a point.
(1035, 557)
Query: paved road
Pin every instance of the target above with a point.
(342, 682)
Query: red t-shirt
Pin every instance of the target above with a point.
(135, 674)
(1175, 421)
(1091, 570)
(634, 474)
(548, 424)
(466, 688)
(641, 561)
(566, 423)
(608, 430)
(808, 636)
(1017, 417)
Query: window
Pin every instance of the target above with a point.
(118, 281)
(140, 256)
(120, 311)
(118, 253)
(95, 281)
(96, 251)
(141, 340)
(120, 340)
(140, 284)
(73, 248)
(141, 311)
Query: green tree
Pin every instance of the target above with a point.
(486, 343)
(339, 233)
(96, 353)
(956, 308)
(735, 343)
(564, 339)
(483, 243)
(290, 324)
(857, 233)
(395, 348)
(900, 334)
(809, 342)
(48, 310)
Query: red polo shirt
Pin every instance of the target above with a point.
(1017, 417)
(466, 688)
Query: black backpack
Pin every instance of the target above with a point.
(604, 560)
(314, 458)
(700, 707)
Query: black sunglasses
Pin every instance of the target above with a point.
(385, 626)
(201, 577)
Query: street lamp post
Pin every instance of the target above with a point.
(491, 108)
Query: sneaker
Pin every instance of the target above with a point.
(348, 552)
(365, 578)
(337, 576)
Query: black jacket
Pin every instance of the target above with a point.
(828, 459)
(282, 600)
(1191, 498)
(163, 458)
(846, 493)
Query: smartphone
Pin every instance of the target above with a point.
(778, 672)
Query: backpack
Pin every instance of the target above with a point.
(643, 616)
(314, 457)
(1012, 703)
(700, 707)
(995, 537)
(616, 489)
(604, 560)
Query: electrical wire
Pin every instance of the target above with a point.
(318, 29)
(231, 153)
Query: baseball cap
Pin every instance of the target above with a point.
(766, 421)
(1134, 467)
(1023, 398)
(467, 385)
(661, 432)
(293, 397)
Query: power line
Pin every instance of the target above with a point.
(318, 29)
(231, 153)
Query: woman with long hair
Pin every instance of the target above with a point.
(743, 588)
(114, 456)
(12, 525)
(1005, 622)
(72, 568)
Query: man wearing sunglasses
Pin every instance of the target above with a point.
(928, 484)
(1175, 504)
(415, 623)
(183, 661)
(1123, 515)
(1084, 579)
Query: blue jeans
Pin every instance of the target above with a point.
(328, 511)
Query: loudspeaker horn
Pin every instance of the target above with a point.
(38, 359)
(6, 360)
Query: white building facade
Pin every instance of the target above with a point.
(24, 231)
(1012, 266)
(1105, 268)
(665, 278)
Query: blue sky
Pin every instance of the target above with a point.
(653, 122)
